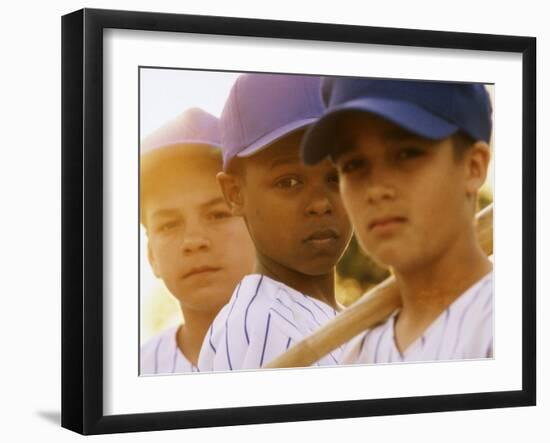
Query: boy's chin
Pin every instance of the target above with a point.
(203, 304)
(205, 297)
(389, 257)
(317, 268)
(399, 262)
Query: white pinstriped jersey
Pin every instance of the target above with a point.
(463, 331)
(262, 320)
(161, 355)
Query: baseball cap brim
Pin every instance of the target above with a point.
(318, 142)
(270, 138)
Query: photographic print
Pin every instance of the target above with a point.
(273, 221)
(225, 288)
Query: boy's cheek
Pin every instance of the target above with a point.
(237, 211)
(153, 262)
(354, 210)
(351, 191)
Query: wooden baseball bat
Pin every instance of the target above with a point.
(371, 309)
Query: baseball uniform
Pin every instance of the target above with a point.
(262, 320)
(161, 355)
(463, 331)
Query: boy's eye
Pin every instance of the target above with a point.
(219, 215)
(350, 165)
(288, 182)
(165, 227)
(333, 178)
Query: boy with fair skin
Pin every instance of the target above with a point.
(190, 230)
(411, 158)
(295, 218)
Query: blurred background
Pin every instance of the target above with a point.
(164, 94)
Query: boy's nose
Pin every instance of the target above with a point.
(379, 192)
(194, 243)
(319, 206)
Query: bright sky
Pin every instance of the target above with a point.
(165, 93)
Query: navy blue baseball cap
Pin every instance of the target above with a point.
(434, 110)
(263, 108)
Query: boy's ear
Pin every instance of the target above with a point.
(477, 160)
(152, 260)
(231, 186)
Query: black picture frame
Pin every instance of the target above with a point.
(82, 220)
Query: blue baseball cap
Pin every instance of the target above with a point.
(263, 108)
(193, 127)
(434, 110)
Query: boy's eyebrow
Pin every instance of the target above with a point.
(289, 159)
(174, 211)
(163, 213)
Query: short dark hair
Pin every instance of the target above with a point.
(237, 166)
(461, 143)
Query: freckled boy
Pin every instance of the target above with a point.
(411, 158)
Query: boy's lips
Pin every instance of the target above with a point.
(321, 235)
(199, 270)
(386, 221)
